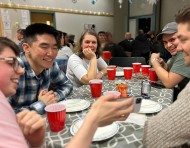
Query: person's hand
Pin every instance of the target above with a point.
(107, 110)
(48, 97)
(32, 126)
(162, 62)
(154, 56)
(88, 53)
(99, 75)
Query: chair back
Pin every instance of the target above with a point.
(126, 61)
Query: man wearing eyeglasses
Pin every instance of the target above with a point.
(27, 128)
(40, 50)
(174, 72)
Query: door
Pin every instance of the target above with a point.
(43, 17)
(144, 24)
(132, 27)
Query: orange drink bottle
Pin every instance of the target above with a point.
(122, 88)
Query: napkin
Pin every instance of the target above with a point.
(138, 119)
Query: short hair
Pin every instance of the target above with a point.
(78, 49)
(21, 31)
(5, 42)
(140, 31)
(103, 32)
(183, 15)
(108, 34)
(39, 29)
(62, 35)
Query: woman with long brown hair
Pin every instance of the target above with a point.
(86, 62)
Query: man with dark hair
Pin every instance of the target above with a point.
(20, 37)
(27, 128)
(170, 128)
(102, 38)
(40, 51)
(175, 72)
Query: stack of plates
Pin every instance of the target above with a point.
(75, 105)
(102, 133)
(119, 73)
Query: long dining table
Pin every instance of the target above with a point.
(129, 135)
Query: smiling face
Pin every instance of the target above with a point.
(184, 41)
(8, 77)
(41, 53)
(169, 41)
(89, 41)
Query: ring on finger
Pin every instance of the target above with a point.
(123, 115)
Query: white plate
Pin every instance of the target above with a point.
(119, 73)
(102, 133)
(149, 106)
(75, 105)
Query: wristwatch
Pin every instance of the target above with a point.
(101, 73)
(154, 59)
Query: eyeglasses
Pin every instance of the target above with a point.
(12, 61)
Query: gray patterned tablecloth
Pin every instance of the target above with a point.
(129, 135)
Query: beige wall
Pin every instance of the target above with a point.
(165, 11)
(140, 7)
(118, 24)
(137, 8)
(70, 23)
(74, 24)
(120, 20)
(169, 9)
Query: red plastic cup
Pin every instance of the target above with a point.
(96, 87)
(112, 67)
(56, 115)
(136, 67)
(152, 75)
(115, 93)
(106, 55)
(128, 72)
(145, 69)
(111, 72)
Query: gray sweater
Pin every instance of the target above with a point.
(171, 127)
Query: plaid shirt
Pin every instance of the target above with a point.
(30, 86)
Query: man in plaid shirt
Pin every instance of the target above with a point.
(41, 72)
